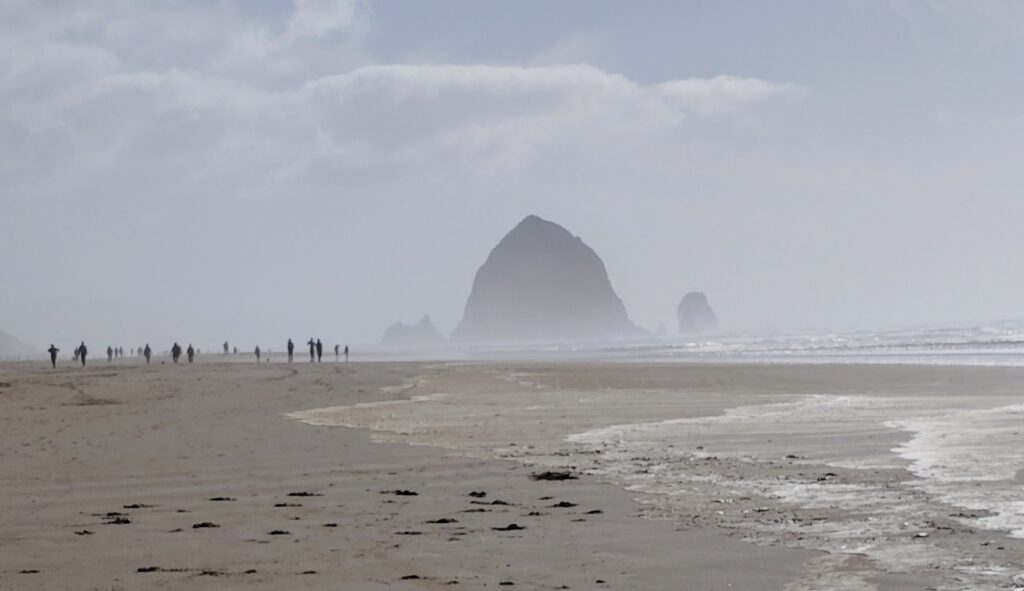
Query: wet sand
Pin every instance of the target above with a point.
(126, 476)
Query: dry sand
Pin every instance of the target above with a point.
(108, 471)
(84, 449)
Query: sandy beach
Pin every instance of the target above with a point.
(236, 475)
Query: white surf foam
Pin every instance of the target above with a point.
(971, 459)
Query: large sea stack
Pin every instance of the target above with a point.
(695, 314)
(542, 283)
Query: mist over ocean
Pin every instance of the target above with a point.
(997, 344)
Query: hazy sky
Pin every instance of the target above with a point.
(257, 170)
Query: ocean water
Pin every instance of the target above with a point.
(999, 344)
(837, 466)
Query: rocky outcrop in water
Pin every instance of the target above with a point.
(695, 314)
(412, 335)
(542, 283)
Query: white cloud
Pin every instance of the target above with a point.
(376, 120)
(255, 105)
(317, 18)
(723, 94)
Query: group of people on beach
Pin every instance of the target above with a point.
(114, 353)
(316, 352)
(176, 352)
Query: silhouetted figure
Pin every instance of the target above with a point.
(53, 355)
(83, 352)
(319, 350)
(175, 352)
(337, 348)
(235, 350)
(346, 353)
(312, 349)
(110, 353)
(191, 353)
(147, 353)
(257, 353)
(291, 350)
(226, 347)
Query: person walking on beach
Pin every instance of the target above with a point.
(147, 353)
(291, 350)
(110, 353)
(319, 350)
(82, 352)
(337, 348)
(312, 349)
(257, 353)
(175, 352)
(191, 353)
(346, 353)
(53, 355)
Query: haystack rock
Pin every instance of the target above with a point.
(695, 314)
(542, 283)
(412, 335)
(12, 348)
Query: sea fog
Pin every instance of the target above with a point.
(996, 344)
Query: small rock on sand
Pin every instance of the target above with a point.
(400, 493)
(553, 475)
(509, 527)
